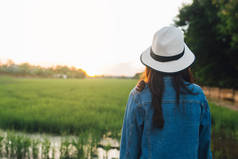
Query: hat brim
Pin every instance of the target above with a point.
(170, 66)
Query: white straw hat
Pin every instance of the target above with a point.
(168, 52)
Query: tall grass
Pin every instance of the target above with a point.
(16, 146)
(224, 132)
(63, 106)
(35, 148)
(224, 119)
(1, 145)
(22, 147)
(46, 148)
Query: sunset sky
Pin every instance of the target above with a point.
(99, 36)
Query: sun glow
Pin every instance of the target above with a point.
(91, 71)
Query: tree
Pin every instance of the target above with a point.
(228, 13)
(215, 55)
(228, 28)
(26, 69)
(137, 75)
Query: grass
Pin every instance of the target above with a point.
(23, 147)
(73, 106)
(63, 106)
(224, 132)
(80, 106)
(224, 119)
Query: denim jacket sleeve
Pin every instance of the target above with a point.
(205, 131)
(130, 144)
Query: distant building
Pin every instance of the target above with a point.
(64, 76)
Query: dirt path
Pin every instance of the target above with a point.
(225, 103)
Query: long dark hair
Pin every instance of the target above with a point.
(154, 79)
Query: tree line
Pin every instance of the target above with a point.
(28, 70)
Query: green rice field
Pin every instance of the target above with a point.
(77, 106)
(63, 106)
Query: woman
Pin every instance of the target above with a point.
(167, 115)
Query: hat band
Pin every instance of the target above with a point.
(165, 58)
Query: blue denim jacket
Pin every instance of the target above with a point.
(186, 133)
